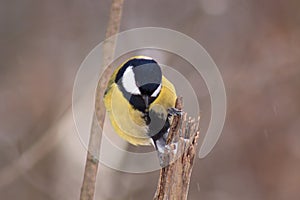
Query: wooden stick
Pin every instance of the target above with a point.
(174, 178)
(92, 160)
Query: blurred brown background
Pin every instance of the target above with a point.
(256, 45)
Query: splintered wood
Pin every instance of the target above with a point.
(175, 177)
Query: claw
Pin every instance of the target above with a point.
(174, 111)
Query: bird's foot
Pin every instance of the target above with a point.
(174, 112)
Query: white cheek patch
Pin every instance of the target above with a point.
(129, 83)
(156, 92)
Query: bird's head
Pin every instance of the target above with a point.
(140, 80)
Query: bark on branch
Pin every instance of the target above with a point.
(91, 166)
(174, 179)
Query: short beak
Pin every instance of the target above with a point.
(146, 100)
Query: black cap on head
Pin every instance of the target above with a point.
(148, 77)
(140, 77)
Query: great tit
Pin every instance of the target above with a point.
(138, 99)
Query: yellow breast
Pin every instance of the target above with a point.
(128, 122)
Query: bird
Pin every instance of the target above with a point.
(140, 102)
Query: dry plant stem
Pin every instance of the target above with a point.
(174, 179)
(91, 166)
